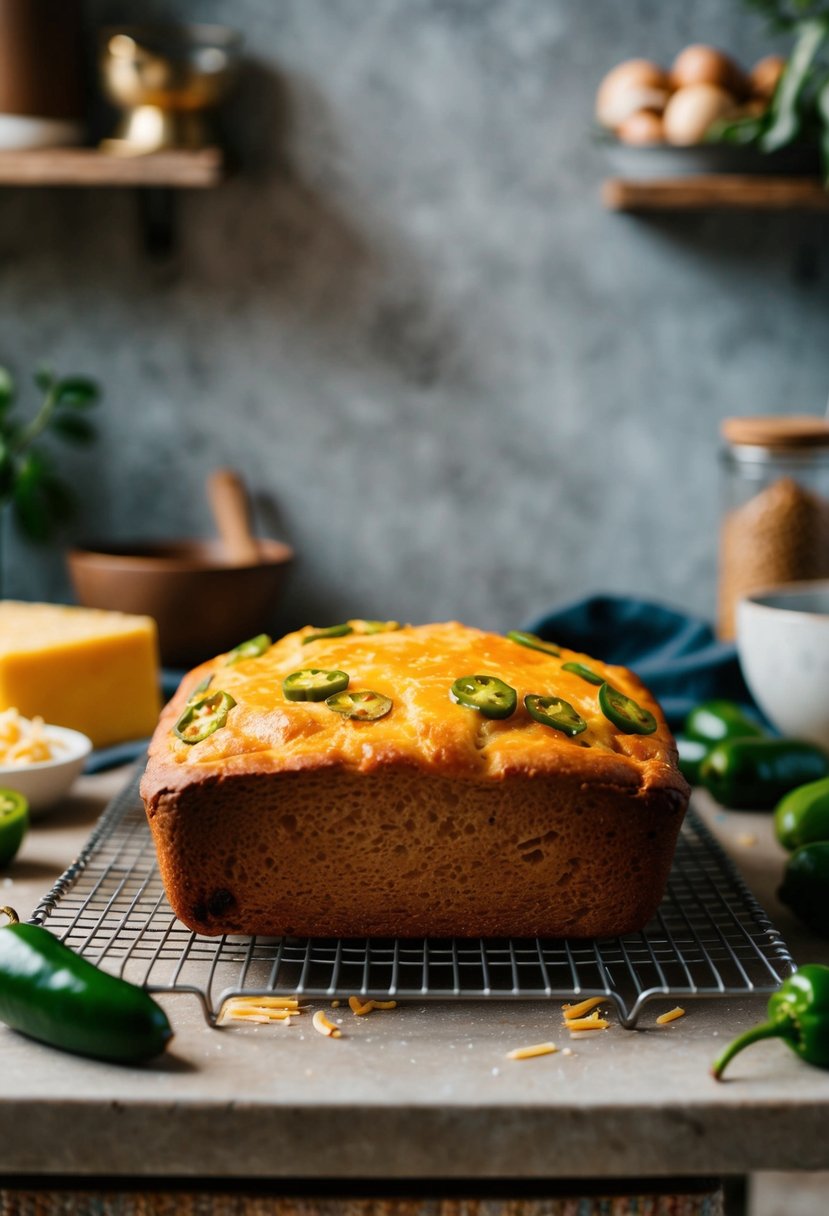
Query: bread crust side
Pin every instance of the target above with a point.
(394, 854)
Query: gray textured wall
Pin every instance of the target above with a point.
(468, 390)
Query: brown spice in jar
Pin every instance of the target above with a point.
(779, 536)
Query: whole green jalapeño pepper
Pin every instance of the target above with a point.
(706, 725)
(719, 719)
(14, 823)
(754, 774)
(802, 816)
(52, 994)
(805, 885)
(692, 753)
(798, 1013)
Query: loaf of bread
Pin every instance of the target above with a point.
(451, 783)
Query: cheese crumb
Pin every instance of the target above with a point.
(323, 1026)
(670, 1016)
(529, 1053)
(361, 1008)
(593, 1022)
(576, 1011)
(258, 1009)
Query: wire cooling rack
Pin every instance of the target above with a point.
(710, 938)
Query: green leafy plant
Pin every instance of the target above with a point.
(785, 14)
(30, 486)
(799, 110)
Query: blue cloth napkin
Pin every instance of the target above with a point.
(677, 656)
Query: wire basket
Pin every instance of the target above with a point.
(709, 938)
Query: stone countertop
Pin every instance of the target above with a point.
(421, 1091)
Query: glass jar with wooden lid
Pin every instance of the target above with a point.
(775, 521)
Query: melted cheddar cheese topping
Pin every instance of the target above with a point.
(415, 666)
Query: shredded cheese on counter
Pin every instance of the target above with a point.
(529, 1053)
(326, 1027)
(259, 1009)
(361, 1008)
(281, 1009)
(670, 1016)
(593, 1022)
(358, 1008)
(576, 1011)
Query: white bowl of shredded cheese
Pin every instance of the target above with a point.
(38, 760)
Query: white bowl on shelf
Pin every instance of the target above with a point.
(46, 782)
(19, 131)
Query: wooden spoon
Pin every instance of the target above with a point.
(229, 503)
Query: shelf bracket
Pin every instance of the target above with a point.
(157, 217)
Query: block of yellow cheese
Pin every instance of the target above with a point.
(95, 671)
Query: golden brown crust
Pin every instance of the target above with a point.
(414, 666)
(416, 852)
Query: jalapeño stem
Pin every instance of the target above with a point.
(766, 1030)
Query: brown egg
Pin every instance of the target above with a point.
(700, 64)
(765, 74)
(693, 110)
(643, 127)
(636, 84)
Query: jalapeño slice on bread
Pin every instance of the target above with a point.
(249, 650)
(624, 712)
(552, 711)
(202, 717)
(313, 684)
(332, 631)
(363, 706)
(585, 672)
(489, 695)
(532, 642)
(379, 627)
(200, 689)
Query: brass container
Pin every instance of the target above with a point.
(166, 80)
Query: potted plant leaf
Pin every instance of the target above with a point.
(31, 490)
(798, 114)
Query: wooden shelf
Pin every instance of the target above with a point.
(716, 192)
(177, 170)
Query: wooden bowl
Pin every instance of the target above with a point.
(202, 603)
